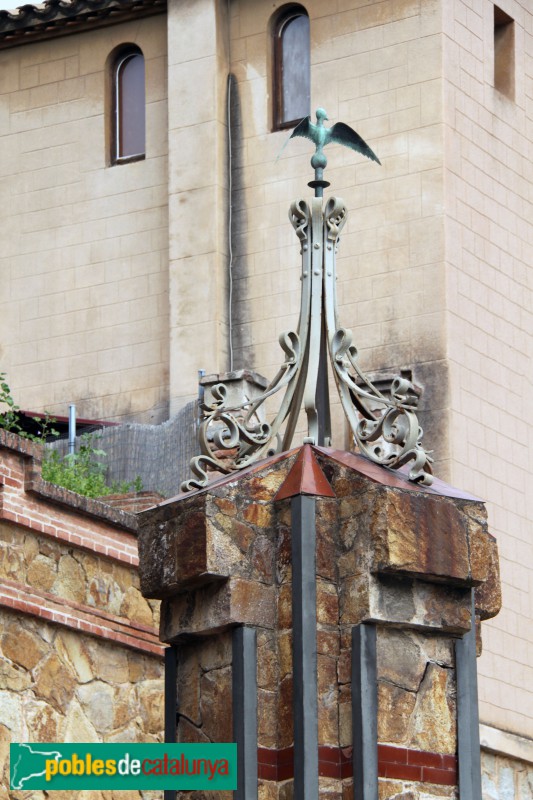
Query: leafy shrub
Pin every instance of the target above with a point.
(84, 472)
(9, 420)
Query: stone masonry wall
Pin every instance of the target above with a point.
(505, 778)
(80, 658)
(388, 554)
(59, 686)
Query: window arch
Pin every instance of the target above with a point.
(292, 67)
(128, 139)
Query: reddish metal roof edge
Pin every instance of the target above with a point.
(377, 473)
(60, 418)
(397, 479)
(232, 476)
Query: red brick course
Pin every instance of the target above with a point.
(417, 765)
(399, 763)
(28, 501)
(51, 511)
(76, 616)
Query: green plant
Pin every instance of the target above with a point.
(84, 472)
(9, 418)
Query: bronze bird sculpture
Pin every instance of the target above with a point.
(340, 133)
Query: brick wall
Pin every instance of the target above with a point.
(80, 658)
(84, 294)
(490, 324)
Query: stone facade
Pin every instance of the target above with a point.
(506, 778)
(79, 655)
(387, 554)
(85, 318)
(116, 279)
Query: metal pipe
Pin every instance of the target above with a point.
(201, 393)
(72, 429)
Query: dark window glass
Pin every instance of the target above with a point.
(504, 56)
(292, 91)
(130, 107)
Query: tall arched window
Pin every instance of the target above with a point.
(128, 112)
(292, 67)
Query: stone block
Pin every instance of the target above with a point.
(174, 552)
(214, 608)
(420, 535)
(489, 594)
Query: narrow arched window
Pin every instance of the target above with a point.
(128, 117)
(292, 67)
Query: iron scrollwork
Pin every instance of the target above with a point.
(233, 437)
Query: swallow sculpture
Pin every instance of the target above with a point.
(340, 133)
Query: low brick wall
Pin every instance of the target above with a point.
(80, 657)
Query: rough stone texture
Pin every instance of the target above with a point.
(81, 577)
(405, 790)
(199, 539)
(56, 685)
(416, 690)
(78, 656)
(400, 558)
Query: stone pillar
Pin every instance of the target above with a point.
(197, 189)
(316, 600)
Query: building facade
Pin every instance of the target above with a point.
(122, 276)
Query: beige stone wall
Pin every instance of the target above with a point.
(46, 565)
(376, 67)
(490, 326)
(505, 778)
(84, 246)
(198, 242)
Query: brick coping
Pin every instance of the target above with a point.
(81, 618)
(34, 484)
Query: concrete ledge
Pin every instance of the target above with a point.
(507, 744)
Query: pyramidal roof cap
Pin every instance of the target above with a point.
(305, 477)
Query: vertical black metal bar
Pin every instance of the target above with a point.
(365, 712)
(305, 695)
(468, 745)
(322, 393)
(245, 711)
(171, 703)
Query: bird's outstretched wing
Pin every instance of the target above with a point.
(302, 129)
(343, 134)
(305, 128)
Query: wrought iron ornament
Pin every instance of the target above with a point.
(232, 437)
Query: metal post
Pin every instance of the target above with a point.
(72, 429)
(245, 711)
(365, 712)
(171, 703)
(201, 393)
(305, 695)
(322, 395)
(468, 745)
